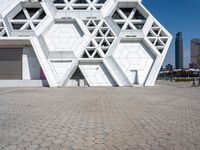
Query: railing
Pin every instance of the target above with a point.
(195, 81)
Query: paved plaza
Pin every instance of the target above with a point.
(164, 117)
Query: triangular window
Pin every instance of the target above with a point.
(20, 15)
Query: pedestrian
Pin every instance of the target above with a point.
(199, 81)
(193, 82)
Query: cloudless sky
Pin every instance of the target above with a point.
(175, 16)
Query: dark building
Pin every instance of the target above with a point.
(195, 51)
(179, 51)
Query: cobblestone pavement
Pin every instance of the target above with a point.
(151, 118)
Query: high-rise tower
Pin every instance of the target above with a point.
(179, 51)
(195, 50)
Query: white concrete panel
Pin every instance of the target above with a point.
(116, 72)
(7, 5)
(45, 64)
(61, 67)
(96, 74)
(30, 65)
(62, 37)
(23, 83)
(132, 56)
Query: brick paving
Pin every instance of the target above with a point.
(151, 118)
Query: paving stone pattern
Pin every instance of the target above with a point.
(153, 118)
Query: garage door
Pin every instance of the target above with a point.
(10, 64)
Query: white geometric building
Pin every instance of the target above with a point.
(80, 42)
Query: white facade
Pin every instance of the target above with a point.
(85, 42)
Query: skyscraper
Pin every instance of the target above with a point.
(195, 50)
(179, 51)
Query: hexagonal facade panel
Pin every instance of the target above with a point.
(135, 59)
(102, 39)
(129, 16)
(63, 36)
(26, 16)
(157, 37)
(84, 42)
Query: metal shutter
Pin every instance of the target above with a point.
(10, 64)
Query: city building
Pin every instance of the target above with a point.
(195, 52)
(179, 51)
(80, 43)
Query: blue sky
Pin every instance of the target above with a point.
(177, 15)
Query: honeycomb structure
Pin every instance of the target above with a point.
(104, 42)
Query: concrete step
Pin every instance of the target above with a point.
(23, 83)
